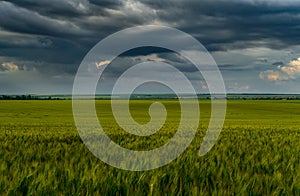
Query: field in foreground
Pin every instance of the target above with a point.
(257, 152)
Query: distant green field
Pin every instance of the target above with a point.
(257, 153)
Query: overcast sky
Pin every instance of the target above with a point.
(256, 43)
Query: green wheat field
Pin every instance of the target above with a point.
(257, 153)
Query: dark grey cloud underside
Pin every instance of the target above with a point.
(55, 35)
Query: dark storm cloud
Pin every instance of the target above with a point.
(55, 35)
(223, 25)
(21, 20)
(237, 68)
(108, 3)
(145, 51)
(74, 8)
(278, 63)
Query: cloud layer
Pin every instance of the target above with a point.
(286, 72)
(9, 67)
(52, 37)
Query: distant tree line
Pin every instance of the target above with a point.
(264, 97)
(27, 97)
(156, 97)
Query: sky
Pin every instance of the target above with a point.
(255, 43)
